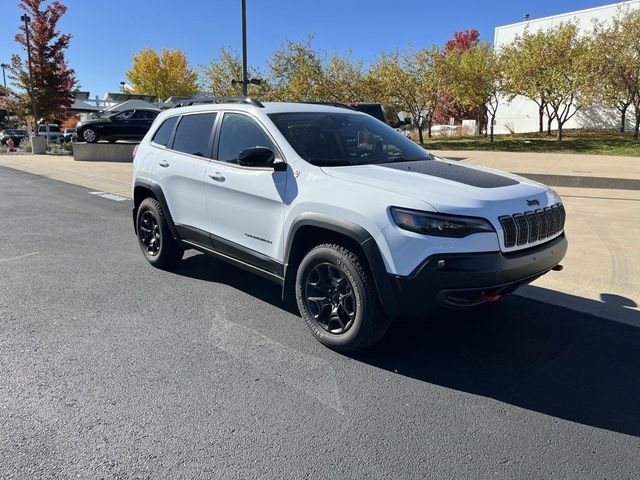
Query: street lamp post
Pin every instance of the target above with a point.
(25, 18)
(4, 78)
(245, 80)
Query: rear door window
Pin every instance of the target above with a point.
(193, 134)
(126, 115)
(144, 115)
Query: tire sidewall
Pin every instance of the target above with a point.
(150, 206)
(340, 261)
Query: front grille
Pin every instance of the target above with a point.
(509, 231)
(523, 231)
(532, 222)
(530, 227)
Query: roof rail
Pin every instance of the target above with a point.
(331, 104)
(197, 100)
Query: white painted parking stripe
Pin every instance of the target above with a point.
(110, 196)
(18, 257)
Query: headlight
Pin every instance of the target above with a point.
(438, 224)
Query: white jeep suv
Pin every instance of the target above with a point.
(356, 222)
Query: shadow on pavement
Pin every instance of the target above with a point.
(524, 352)
(537, 356)
(204, 267)
(610, 306)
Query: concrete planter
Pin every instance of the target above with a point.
(103, 152)
(38, 145)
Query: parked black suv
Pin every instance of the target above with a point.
(125, 125)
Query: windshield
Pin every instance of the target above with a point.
(10, 131)
(335, 139)
(52, 129)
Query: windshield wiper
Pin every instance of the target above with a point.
(402, 159)
(332, 163)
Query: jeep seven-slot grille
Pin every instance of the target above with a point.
(532, 226)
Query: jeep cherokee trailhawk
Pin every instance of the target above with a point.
(355, 221)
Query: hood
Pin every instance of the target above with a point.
(451, 187)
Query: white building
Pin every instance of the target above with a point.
(521, 114)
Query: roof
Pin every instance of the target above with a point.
(613, 6)
(123, 97)
(269, 107)
(82, 106)
(174, 100)
(132, 105)
(80, 95)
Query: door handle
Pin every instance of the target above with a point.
(218, 177)
(163, 163)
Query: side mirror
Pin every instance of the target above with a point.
(256, 157)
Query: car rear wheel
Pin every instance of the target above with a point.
(90, 135)
(155, 239)
(338, 300)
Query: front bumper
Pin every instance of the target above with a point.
(462, 280)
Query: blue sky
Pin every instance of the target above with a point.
(107, 33)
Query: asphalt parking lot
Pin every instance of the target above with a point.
(113, 369)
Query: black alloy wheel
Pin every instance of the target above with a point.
(149, 233)
(337, 298)
(330, 298)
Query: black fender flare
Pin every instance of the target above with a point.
(357, 233)
(155, 188)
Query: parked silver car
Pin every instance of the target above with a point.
(52, 132)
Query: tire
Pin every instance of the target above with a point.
(347, 315)
(154, 237)
(89, 135)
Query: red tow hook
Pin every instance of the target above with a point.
(490, 296)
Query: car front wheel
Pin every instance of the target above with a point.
(90, 135)
(155, 239)
(338, 300)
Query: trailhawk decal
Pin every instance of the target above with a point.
(455, 173)
(258, 238)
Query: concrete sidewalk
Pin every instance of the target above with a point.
(116, 177)
(103, 176)
(602, 266)
(603, 166)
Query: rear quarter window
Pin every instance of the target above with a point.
(163, 134)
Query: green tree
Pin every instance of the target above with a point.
(53, 80)
(551, 68)
(614, 65)
(410, 81)
(163, 75)
(524, 68)
(218, 76)
(343, 79)
(296, 72)
(565, 73)
(475, 78)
